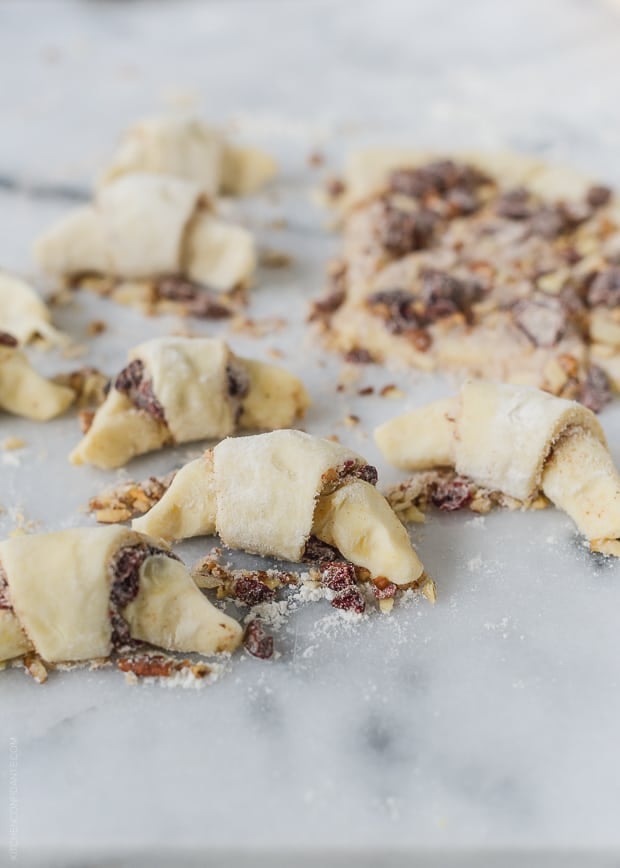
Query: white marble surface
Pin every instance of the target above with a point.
(480, 731)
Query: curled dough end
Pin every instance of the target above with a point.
(360, 523)
(246, 170)
(420, 439)
(188, 507)
(24, 392)
(170, 612)
(118, 433)
(580, 478)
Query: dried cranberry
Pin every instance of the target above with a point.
(514, 204)
(595, 390)
(598, 195)
(338, 575)
(384, 589)
(204, 306)
(604, 288)
(436, 178)
(125, 584)
(317, 551)
(443, 294)
(550, 221)
(396, 307)
(257, 641)
(452, 494)
(359, 356)
(135, 382)
(7, 340)
(402, 232)
(543, 320)
(5, 602)
(238, 381)
(251, 591)
(349, 600)
(177, 289)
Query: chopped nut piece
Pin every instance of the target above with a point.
(391, 391)
(359, 356)
(130, 498)
(11, 443)
(275, 259)
(160, 666)
(96, 327)
(35, 667)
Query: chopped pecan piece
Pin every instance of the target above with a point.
(159, 666)
(257, 641)
(543, 320)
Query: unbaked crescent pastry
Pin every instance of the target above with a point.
(187, 148)
(23, 313)
(270, 493)
(519, 441)
(23, 391)
(176, 390)
(147, 226)
(82, 593)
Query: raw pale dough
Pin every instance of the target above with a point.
(23, 313)
(519, 441)
(187, 148)
(508, 275)
(59, 589)
(147, 226)
(190, 378)
(24, 392)
(268, 493)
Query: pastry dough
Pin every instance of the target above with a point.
(196, 388)
(494, 264)
(23, 391)
(62, 593)
(23, 313)
(187, 148)
(519, 441)
(269, 493)
(147, 226)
